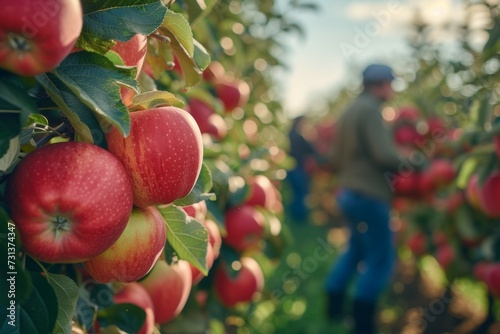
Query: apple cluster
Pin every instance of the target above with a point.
(447, 208)
(92, 194)
(220, 95)
(75, 202)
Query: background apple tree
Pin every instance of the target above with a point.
(95, 87)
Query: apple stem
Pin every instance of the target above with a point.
(161, 38)
(61, 224)
(19, 43)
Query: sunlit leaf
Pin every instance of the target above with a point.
(188, 237)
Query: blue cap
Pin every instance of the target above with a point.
(376, 73)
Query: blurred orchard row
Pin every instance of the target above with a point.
(446, 120)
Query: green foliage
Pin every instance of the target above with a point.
(188, 237)
(120, 20)
(128, 317)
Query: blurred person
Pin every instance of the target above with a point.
(363, 155)
(304, 154)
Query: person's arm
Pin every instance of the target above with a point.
(380, 143)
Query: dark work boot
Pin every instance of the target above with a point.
(364, 317)
(335, 304)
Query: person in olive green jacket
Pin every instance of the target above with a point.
(365, 158)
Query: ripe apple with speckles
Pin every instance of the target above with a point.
(163, 154)
(69, 201)
(146, 231)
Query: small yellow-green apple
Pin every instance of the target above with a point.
(163, 154)
(69, 201)
(135, 252)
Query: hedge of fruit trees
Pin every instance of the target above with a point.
(445, 122)
(142, 151)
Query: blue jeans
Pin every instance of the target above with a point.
(299, 181)
(371, 243)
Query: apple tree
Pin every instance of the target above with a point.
(135, 136)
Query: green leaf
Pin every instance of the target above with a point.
(95, 80)
(481, 111)
(118, 20)
(42, 306)
(198, 9)
(201, 57)
(178, 30)
(177, 25)
(155, 99)
(66, 291)
(488, 168)
(36, 119)
(200, 190)
(128, 317)
(492, 46)
(11, 155)
(188, 237)
(81, 117)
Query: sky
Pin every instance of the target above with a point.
(344, 33)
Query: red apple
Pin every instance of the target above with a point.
(426, 184)
(407, 114)
(208, 121)
(493, 279)
(163, 154)
(407, 185)
(442, 172)
(445, 254)
(214, 235)
(232, 92)
(407, 134)
(133, 53)
(133, 255)
(169, 287)
(244, 227)
(134, 293)
(261, 192)
(418, 243)
(454, 201)
(435, 125)
(481, 270)
(489, 195)
(197, 210)
(247, 283)
(35, 36)
(70, 201)
(214, 71)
